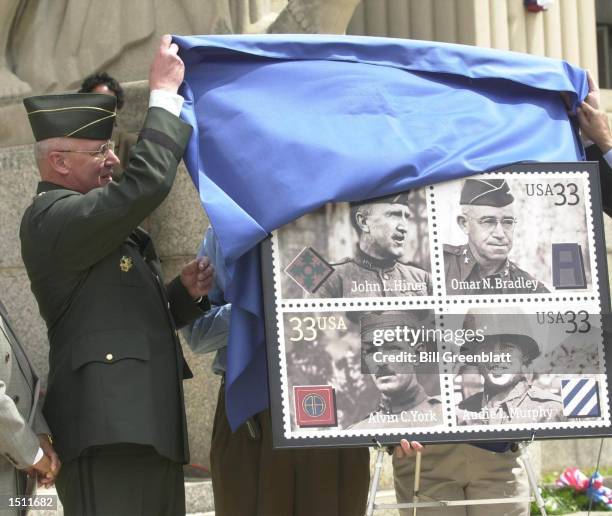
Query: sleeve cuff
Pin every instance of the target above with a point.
(608, 157)
(183, 307)
(39, 455)
(169, 101)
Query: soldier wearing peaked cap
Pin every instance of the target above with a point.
(115, 398)
(507, 395)
(481, 266)
(374, 270)
(403, 400)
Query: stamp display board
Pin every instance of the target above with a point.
(454, 312)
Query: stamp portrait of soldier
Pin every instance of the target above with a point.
(404, 401)
(375, 269)
(507, 395)
(481, 266)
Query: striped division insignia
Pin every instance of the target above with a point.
(309, 270)
(580, 398)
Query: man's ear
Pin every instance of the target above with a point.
(59, 163)
(463, 223)
(361, 219)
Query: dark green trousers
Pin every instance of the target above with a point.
(121, 480)
(251, 479)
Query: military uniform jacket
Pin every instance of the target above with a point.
(524, 404)
(420, 410)
(463, 276)
(20, 415)
(115, 362)
(365, 276)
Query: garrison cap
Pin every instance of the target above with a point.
(486, 192)
(75, 115)
(391, 320)
(515, 327)
(398, 198)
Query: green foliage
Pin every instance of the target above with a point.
(565, 500)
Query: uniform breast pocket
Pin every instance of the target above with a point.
(111, 378)
(109, 347)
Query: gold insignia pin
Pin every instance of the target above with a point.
(126, 263)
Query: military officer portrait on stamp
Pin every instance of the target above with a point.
(508, 395)
(404, 402)
(376, 268)
(481, 265)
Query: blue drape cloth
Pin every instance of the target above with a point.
(285, 123)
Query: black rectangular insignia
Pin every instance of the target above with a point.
(568, 266)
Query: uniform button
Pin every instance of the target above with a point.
(168, 305)
(385, 276)
(109, 356)
(7, 357)
(16, 399)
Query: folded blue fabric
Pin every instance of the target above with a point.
(285, 123)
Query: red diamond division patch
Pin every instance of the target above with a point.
(315, 405)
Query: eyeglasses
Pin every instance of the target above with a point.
(100, 153)
(490, 223)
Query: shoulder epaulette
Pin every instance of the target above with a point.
(341, 262)
(452, 249)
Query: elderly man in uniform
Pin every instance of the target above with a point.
(481, 266)
(25, 442)
(403, 400)
(115, 395)
(375, 270)
(507, 395)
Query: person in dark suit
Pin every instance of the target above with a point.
(25, 442)
(115, 396)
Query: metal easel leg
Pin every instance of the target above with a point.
(417, 482)
(533, 481)
(375, 479)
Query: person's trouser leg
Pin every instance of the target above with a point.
(497, 475)
(121, 480)
(332, 481)
(443, 477)
(250, 478)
